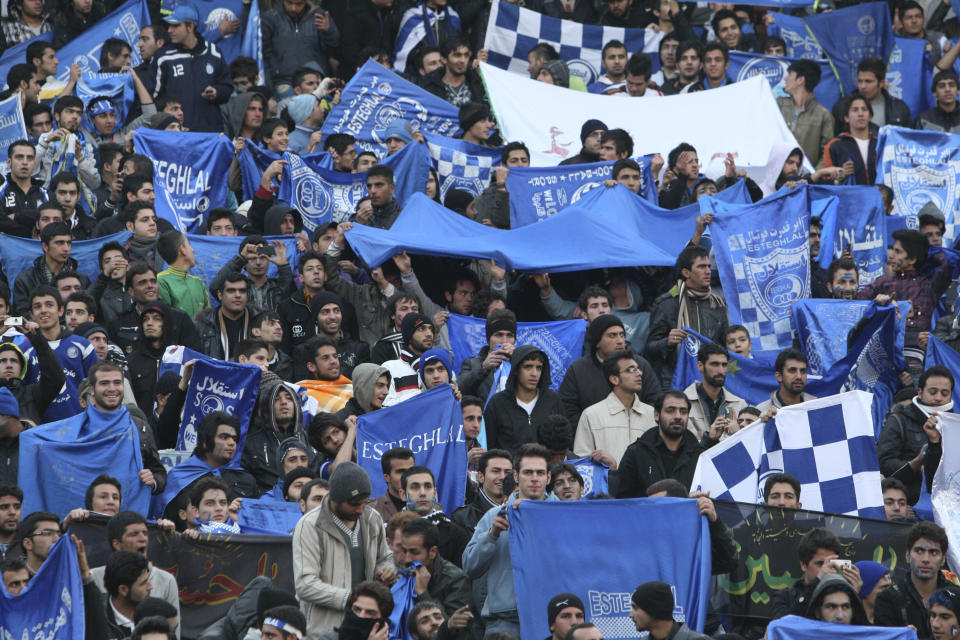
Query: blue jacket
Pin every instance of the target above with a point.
(486, 556)
(185, 74)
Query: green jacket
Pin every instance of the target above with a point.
(184, 291)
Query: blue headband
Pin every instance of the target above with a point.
(99, 107)
(286, 627)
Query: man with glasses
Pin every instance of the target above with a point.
(38, 532)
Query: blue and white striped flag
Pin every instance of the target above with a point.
(512, 31)
(461, 165)
(417, 24)
(827, 444)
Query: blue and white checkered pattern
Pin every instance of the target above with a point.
(461, 165)
(827, 444)
(512, 31)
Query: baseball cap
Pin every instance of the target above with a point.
(183, 13)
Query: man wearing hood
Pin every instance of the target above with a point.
(223, 328)
(585, 385)
(192, 69)
(278, 417)
(418, 336)
(834, 600)
(255, 256)
(371, 383)
(146, 356)
(513, 415)
(910, 434)
(327, 311)
(690, 303)
(330, 388)
(243, 115)
(478, 373)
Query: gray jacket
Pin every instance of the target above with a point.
(289, 44)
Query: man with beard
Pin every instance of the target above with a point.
(343, 531)
(418, 338)
(790, 370)
(910, 429)
(713, 409)
(11, 502)
(670, 451)
(437, 579)
(843, 279)
(68, 113)
(418, 488)
(327, 311)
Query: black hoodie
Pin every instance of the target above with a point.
(508, 424)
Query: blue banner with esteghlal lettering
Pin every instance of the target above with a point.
(375, 97)
(191, 167)
(218, 386)
(431, 424)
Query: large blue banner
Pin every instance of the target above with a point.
(431, 424)
(117, 86)
(375, 97)
(266, 514)
(537, 193)
(123, 22)
(797, 628)
(58, 460)
(254, 160)
(676, 550)
(460, 164)
(51, 605)
(215, 251)
(744, 65)
(921, 167)
(909, 74)
(763, 255)
(12, 126)
(218, 386)
(17, 54)
(845, 37)
(562, 341)
(191, 167)
(854, 219)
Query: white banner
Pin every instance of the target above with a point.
(742, 118)
(946, 485)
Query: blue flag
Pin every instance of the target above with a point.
(419, 24)
(375, 97)
(123, 22)
(18, 254)
(77, 356)
(676, 550)
(939, 353)
(909, 72)
(855, 220)
(745, 65)
(191, 167)
(404, 599)
(218, 386)
(252, 44)
(116, 86)
(12, 126)
(213, 252)
(562, 341)
(17, 54)
(604, 239)
(254, 160)
(798, 628)
(180, 477)
(460, 164)
(265, 514)
(431, 424)
(763, 255)
(51, 605)
(211, 14)
(58, 460)
(537, 193)
(594, 476)
(921, 167)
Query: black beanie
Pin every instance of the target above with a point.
(500, 324)
(655, 598)
(410, 323)
(560, 602)
(270, 597)
(322, 299)
(599, 326)
(589, 127)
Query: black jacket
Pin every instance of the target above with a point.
(508, 425)
(185, 73)
(264, 437)
(13, 201)
(937, 119)
(124, 330)
(896, 112)
(433, 82)
(364, 24)
(388, 348)
(901, 605)
(901, 439)
(584, 385)
(793, 601)
(34, 276)
(710, 322)
(111, 298)
(469, 514)
(643, 463)
(473, 379)
(676, 194)
(142, 364)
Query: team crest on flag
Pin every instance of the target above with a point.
(774, 281)
(918, 185)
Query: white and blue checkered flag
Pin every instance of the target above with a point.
(418, 24)
(512, 31)
(827, 444)
(461, 165)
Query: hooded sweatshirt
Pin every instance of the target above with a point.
(234, 111)
(265, 435)
(508, 424)
(835, 580)
(274, 216)
(364, 381)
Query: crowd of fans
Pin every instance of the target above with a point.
(358, 339)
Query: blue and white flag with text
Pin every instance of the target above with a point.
(191, 167)
(12, 126)
(218, 386)
(828, 444)
(854, 219)
(745, 65)
(431, 424)
(123, 22)
(676, 550)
